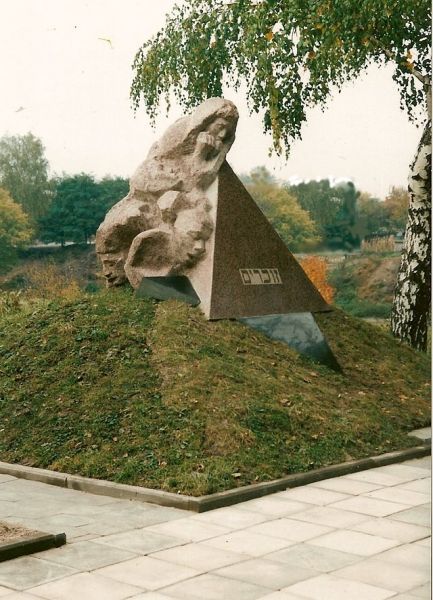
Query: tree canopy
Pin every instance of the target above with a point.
(333, 209)
(74, 212)
(24, 173)
(293, 224)
(292, 54)
(79, 205)
(15, 230)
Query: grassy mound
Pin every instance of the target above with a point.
(121, 388)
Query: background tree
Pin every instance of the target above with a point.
(396, 205)
(15, 230)
(333, 209)
(293, 224)
(79, 205)
(292, 54)
(75, 211)
(24, 173)
(373, 216)
(111, 190)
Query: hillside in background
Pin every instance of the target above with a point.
(363, 283)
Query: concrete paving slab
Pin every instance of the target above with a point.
(148, 573)
(267, 573)
(404, 472)
(289, 529)
(86, 556)
(59, 522)
(150, 596)
(394, 530)
(142, 510)
(281, 596)
(354, 542)
(423, 463)
(7, 509)
(408, 554)
(214, 587)
(400, 495)
(312, 495)
(329, 587)
(20, 596)
(85, 585)
(374, 476)
(424, 591)
(424, 486)
(345, 485)
(248, 542)
(419, 515)
(4, 477)
(272, 506)
(369, 506)
(231, 518)
(376, 571)
(314, 557)
(406, 597)
(188, 529)
(425, 542)
(27, 571)
(140, 541)
(199, 556)
(330, 517)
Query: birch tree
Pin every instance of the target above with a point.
(293, 55)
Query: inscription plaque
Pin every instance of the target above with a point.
(260, 276)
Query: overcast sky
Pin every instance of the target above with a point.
(65, 68)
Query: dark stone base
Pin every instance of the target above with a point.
(176, 287)
(299, 331)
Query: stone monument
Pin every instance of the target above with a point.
(189, 229)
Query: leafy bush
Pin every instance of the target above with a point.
(317, 270)
(50, 281)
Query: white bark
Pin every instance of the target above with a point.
(411, 308)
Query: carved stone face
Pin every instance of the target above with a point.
(220, 129)
(193, 227)
(113, 269)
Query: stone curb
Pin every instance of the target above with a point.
(44, 541)
(211, 501)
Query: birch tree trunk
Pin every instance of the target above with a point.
(411, 307)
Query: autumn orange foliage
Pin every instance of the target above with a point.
(317, 269)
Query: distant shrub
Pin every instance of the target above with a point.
(317, 270)
(379, 245)
(49, 281)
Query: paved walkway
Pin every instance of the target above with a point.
(359, 537)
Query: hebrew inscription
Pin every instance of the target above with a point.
(260, 276)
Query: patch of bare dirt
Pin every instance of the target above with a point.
(15, 533)
(377, 278)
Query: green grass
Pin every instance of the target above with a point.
(152, 394)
